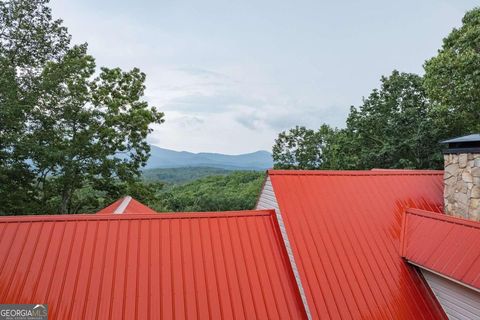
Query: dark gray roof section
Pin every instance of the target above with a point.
(465, 144)
(470, 138)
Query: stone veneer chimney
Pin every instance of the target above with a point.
(462, 177)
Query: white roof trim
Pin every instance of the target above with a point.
(283, 231)
(444, 276)
(121, 208)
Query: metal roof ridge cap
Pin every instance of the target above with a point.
(123, 205)
(359, 173)
(139, 216)
(443, 217)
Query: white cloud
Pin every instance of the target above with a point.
(230, 76)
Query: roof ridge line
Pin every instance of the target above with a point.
(443, 217)
(359, 173)
(146, 216)
(123, 205)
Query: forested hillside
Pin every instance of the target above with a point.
(175, 176)
(236, 191)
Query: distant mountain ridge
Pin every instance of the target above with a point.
(166, 158)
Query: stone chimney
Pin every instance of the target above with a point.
(462, 177)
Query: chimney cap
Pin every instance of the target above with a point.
(464, 144)
(468, 138)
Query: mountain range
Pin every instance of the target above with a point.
(166, 158)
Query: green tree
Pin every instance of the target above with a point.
(68, 130)
(300, 148)
(89, 130)
(452, 79)
(327, 149)
(340, 151)
(394, 128)
(28, 39)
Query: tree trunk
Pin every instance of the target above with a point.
(65, 200)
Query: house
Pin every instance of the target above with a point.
(378, 244)
(344, 230)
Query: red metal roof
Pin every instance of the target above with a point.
(344, 227)
(126, 205)
(229, 265)
(443, 244)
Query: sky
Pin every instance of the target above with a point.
(231, 75)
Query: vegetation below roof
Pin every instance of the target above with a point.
(236, 191)
(175, 176)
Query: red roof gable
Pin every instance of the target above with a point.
(126, 205)
(445, 245)
(163, 266)
(344, 228)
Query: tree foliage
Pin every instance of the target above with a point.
(452, 78)
(236, 191)
(176, 176)
(63, 130)
(393, 126)
(299, 147)
(29, 38)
